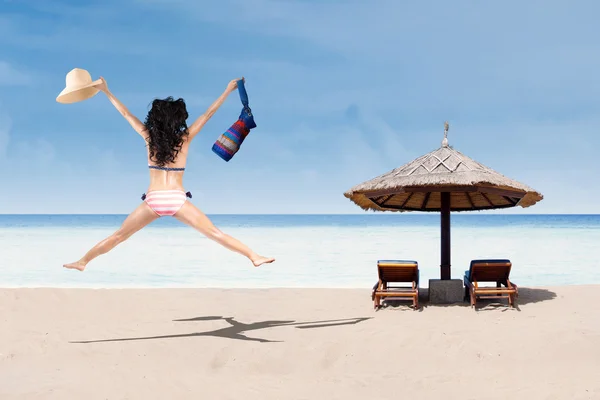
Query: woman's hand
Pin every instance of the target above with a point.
(233, 84)
(199, 123)
(103, 87)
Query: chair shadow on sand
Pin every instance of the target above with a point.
(236, 329)
(526, 296)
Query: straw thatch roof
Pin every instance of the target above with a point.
(416, 186)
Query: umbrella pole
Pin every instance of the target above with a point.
(445, 236)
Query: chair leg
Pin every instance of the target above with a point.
(513, 299)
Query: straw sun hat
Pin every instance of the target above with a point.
(79, 86)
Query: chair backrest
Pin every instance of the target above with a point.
(490, 270)
(398, 271)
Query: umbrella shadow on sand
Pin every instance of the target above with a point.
(236, 329)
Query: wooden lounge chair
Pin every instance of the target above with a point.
(497, 271)
(396, 271)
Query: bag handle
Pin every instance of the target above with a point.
(242, 92)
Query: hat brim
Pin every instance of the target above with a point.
(79, 93)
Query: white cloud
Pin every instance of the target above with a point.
(313, 167)
(455, 57)
(385, 27)
(337, 87)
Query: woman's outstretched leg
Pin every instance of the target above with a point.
(138, 219)
(195, 218)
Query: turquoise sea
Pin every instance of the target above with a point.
(311, 250)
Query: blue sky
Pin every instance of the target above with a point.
(342, 91)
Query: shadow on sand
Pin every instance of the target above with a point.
(526, 296)
(236, 329)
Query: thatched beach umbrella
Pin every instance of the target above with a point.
(444, 180)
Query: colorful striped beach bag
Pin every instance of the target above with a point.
(229, 142)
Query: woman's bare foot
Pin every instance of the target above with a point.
(260, 260)
(78, 265)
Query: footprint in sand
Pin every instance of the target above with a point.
(331, 354)
(221, 359)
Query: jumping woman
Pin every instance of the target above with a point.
(167, 139)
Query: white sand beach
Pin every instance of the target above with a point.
(294, 344)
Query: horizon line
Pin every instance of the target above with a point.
(322, 214)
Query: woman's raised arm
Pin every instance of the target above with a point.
(199, 123)
(132, 119)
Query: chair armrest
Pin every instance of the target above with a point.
(468, 283)
(375, 287)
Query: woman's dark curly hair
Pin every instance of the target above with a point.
(167, 127)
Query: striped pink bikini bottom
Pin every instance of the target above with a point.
(165, 202)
